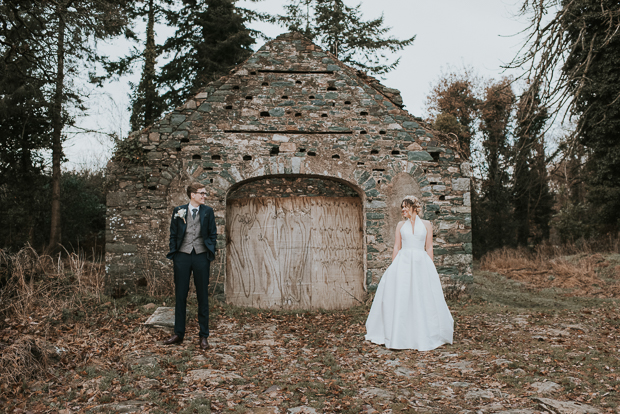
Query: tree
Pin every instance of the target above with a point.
(25, 129)
(453, 106)
(146, 103)
(531, 196)
(574, 45)
(494, 207)
(63, 41)
(210, 39)
(341, 29)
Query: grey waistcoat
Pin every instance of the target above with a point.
(193, 239)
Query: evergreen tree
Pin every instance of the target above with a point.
(593, 30)
(574, 45)
(532, 199)
(25, 130)
(210, 39)
(146, 103)
(493, 208)
(341, 29)
(58, 49)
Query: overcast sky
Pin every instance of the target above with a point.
(450, 34)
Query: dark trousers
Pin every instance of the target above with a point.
(199, 265)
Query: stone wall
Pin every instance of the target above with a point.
(291, 121)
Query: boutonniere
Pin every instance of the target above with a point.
(181, 214)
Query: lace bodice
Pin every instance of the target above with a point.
(413, 239)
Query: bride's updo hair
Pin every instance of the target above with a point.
(413, 202)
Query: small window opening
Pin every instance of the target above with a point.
(236, 87)
(302, 150)
(438, 212)
(249, 97)
(363, 113)
(378, 181)
(274, 151)
(196, 157)
(247, 158)
(164, 165)
(363, 132)
(433, 182)
(211, 180)
(331, 88)
(228, 107)
(347, 102)
(216, 157)
(265, 84)
(297, 114)
(185, 139)
(311, 153)
(284, 97)
(252, 73)
(374, 152)
(435, 156)
(382, 132)
(148, 208)
(336, 156)
(442, 198)
(311, 97)
(209, 168)
(152, 187)
(178, 148)
(360, 163)
(379, 169)
(395, 152)
(323, 115)
(264, 113)
(298, 82)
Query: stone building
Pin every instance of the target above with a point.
(306, 161)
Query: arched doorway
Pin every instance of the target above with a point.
(294, 242)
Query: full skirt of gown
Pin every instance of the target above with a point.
(409, 310)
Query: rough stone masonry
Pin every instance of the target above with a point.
(291, 144)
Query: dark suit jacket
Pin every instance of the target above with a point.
(207, 228)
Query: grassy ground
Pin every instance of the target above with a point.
(96, 355)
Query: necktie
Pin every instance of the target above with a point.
(194, 210)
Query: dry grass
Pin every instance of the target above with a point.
(23, 360)
(36, 285)
(577, 268)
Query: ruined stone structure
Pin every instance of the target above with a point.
(305, 161)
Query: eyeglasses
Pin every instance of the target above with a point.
(202, 194)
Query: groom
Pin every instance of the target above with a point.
(192, 248)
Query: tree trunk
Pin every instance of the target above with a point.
(57, 124)
(150, 95)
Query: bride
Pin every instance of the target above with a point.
(409, 310)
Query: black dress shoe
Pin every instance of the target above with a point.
(204, 344)
(174, 339)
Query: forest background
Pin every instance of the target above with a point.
(543, 143)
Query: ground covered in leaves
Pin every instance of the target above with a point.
(515, 347)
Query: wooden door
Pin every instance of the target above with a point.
(294, 252)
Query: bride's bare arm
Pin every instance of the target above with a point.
(398, 243)
(428, 243)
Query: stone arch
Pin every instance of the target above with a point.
(294, 241)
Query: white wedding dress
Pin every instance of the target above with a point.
(409, 310)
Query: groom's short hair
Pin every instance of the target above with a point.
(193, 188)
